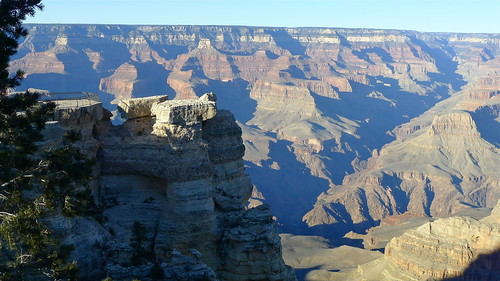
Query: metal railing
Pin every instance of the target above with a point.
(70, 99)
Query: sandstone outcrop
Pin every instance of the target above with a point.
(455, 248)
(184, 112)
(437, 249)
(135, 108)
(176, 168)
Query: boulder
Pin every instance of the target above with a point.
(139, 107)
(184, 111)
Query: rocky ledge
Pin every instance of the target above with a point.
(175, 170)
(455, 248)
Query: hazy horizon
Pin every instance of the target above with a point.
(263, 26)
(459, 16)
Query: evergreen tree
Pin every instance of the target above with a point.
(12, 13)
(139, 253)
(34, 184)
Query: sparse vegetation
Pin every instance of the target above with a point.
(156, 272)
(140, 254)
(34, 184)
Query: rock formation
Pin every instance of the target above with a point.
(455, 248)
(315, 104)
(174, 168)
(437, 169)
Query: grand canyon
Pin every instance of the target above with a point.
(345, 130)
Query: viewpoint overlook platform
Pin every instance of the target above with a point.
(75, 109)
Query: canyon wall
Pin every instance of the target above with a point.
(346, 125)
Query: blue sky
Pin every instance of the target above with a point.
(421, 15)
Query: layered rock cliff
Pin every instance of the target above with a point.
(436, 168)
(456, 248)
(314, 103)
(175, 170)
